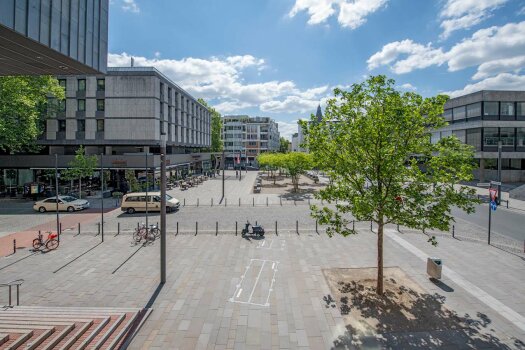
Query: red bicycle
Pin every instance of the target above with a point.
(50, 243)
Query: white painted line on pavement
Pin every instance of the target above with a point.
(487, 299)
(239, 293)
(256, 281)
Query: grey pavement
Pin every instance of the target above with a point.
(202, 306)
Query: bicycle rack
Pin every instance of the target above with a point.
(9, 285)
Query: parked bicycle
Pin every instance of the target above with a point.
(51, 243)
(148, 234)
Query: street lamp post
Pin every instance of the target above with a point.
(147, 189)
(222, 161)
(102, 197)
(499, 173)
(56, 195)
(163, 211)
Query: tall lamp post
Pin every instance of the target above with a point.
(163, 210)
(56, 195)
(499, 173)
(102, 197)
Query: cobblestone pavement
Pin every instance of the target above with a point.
(226, 292)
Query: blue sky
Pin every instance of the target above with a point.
(281, 58)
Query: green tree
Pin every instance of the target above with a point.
(134, 185)
(284, 144)
(216, 127)
(295, 163)
(23, 104)
(271, 162)
(81, 166)
(374, 142)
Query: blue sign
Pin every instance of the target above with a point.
(493, 205)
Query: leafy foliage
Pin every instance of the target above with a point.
(374, 143)
(283, 145)
(80, 167)
(23, 104)
(216, 127)
(295, 163)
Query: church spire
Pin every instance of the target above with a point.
(319, 114)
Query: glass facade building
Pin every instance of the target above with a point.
(53, 37)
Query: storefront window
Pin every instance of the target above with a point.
(490, 137)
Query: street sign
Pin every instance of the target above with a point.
(493, 193)
(493, 206)
(483, 184)
(496, 183)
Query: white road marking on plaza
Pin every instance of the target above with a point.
(273, 266)
(256, 281)
(480, 294)
(239, 293)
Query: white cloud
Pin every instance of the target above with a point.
(484, 45)
(491, 68)
(130, 5)
(408, 86)
(221, 79)
(464, 14)
(287, 129)
(503, 81)
(352, 13)
(522, 11)
(417, 56)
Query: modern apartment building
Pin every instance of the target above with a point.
(484, 118)
(52, 37)
(246, 137)
(123, 115)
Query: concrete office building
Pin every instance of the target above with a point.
(246, 137)
(123, 115)
(52, 37)
(484, 118)
(295, 142)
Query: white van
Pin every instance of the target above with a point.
(133, 202)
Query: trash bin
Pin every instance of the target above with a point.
(434, 266)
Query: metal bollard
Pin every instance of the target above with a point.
(138, 226)
(297, 226)
(294, 203)
(216, 228)
(236, 228)
(353, 225)
(184, 203)
(316, 227)
(225, 202)
(60, 228)
(281, 201)
(197, 201)
(276, 229)
(14, 246)
(507, 204)
(196, 227)
(253, 202)
(98, 224)
(79, 228)
(371, 226)
(398, 228)
(239, 201)
(118, 228)
(177, 228)
(266, 201)
(453, 231)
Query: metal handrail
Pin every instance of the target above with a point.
(9, 285)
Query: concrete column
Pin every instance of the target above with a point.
(482, 170)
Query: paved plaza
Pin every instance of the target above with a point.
(228, 292)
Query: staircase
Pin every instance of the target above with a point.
(35, 327)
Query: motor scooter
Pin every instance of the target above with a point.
(257, 230)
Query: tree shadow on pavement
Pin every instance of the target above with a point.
(407, 319)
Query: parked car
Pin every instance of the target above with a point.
(65, 203)
(133, 202)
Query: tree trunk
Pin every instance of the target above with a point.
(80, 188)
(380, 258)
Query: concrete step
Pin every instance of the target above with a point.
(46, 328)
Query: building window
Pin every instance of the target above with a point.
(459, 113)
(520, 108)
(81, 105)
(169, 95)
(490, 137)
(520, 137)
(162, 131)
(81, 84)
(507, 109)
(507, 137)
(161, 109)
(491, 163)
(490, 109)
(62, 83)
(101, 84)
(161, 91)
(474, 138)
(61, 125)
(81, 125)
(62, 105)
(461, 135)
(474, 110)
(100, 125)
(101, 105)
